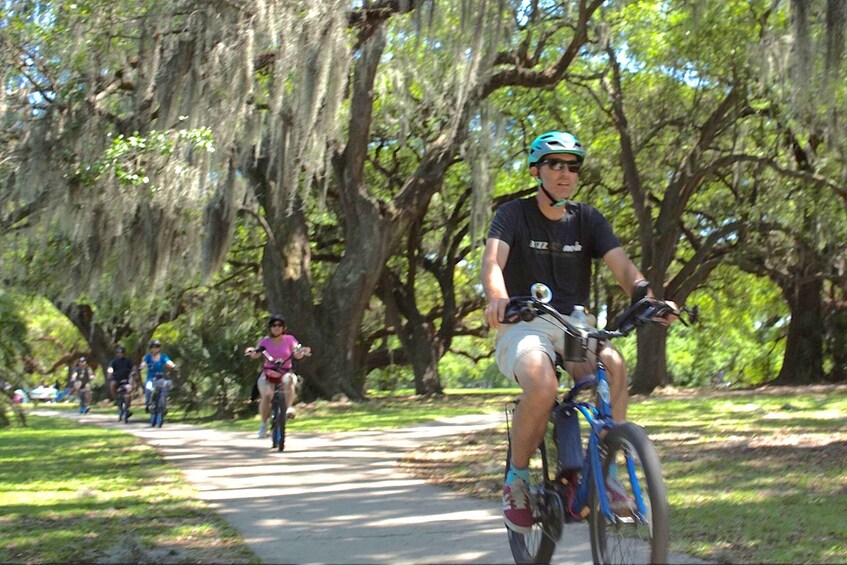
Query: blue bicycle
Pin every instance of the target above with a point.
(162, 384)
(633, 525)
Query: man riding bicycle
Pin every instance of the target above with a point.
(279, 345)
(119, 373)
(550, 239)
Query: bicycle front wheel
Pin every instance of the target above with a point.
(161, 409)
(537, 545)
(639, 529)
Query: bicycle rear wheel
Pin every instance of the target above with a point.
(537, 545)
(634, 535)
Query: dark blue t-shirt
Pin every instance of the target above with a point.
(556, 253)
(121, 368)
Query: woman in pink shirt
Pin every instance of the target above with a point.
(281, 346)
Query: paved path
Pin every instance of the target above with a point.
(339, 498)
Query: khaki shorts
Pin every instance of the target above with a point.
(541, 334)
(266, 387)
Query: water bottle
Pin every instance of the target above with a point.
(575, 344)
(579, 317)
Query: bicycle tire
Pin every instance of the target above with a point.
(275, 435)
(537, 545)
(154, 408)
(632, 537)
(122, 409)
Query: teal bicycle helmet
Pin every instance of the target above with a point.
(555, 142)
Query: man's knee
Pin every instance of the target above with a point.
(535, 375)
(613, 360)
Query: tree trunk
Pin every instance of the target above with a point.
(99, 342)
(652, 370)
(803, 361)
(425, 351)
(836, 343)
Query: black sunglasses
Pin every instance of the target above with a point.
(277, 325)
(560, 165)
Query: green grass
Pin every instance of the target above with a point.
(754, 477)
(74, 493)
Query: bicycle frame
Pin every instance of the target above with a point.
(599, 415)
(598, 418)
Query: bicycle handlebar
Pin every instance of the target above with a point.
(641, 312)
(278, 362)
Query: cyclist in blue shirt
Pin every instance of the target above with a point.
(155, 362)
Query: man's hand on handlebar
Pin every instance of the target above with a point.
(495, 311)
(667, 314)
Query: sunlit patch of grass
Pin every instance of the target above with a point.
(78, 493)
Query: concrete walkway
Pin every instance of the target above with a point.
(339, 498)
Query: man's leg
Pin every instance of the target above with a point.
(537, 379)
(617, 375)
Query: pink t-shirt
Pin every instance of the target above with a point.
(281, 350)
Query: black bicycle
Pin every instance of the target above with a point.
(571, 477)
(124, 390)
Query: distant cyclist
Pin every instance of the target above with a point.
(280, 345)
(119, 374)
(81, 377)
(155, 362)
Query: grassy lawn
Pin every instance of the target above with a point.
(74, 493)
(752, 476)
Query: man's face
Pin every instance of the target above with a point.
(557, 173)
